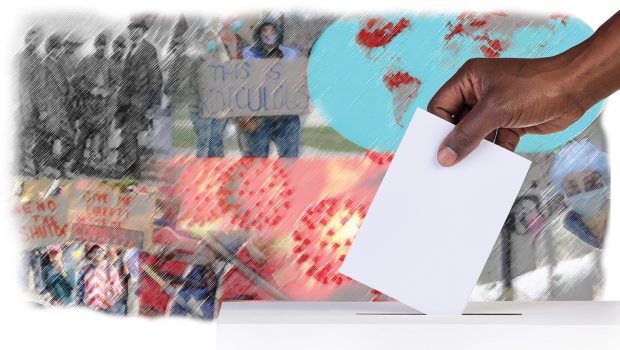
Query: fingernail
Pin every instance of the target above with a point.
(446, 156)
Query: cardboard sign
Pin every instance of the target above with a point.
(248, 88)
(108, 235)
(43, 221)
(106, 216)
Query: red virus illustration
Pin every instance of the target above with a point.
(264, 193)
(321, 240)
(206, 191)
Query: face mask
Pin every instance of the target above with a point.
(236, 26)
(589, 204)
(212, 46)
(269, 39)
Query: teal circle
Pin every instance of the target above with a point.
(346, 84)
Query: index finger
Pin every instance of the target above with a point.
(453, 96)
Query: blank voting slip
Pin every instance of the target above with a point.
(430, 229)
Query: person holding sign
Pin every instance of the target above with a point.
(283, 130)
(182, 88)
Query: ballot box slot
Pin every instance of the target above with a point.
(411, 314)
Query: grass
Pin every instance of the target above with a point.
(327, 139)
(322, 138)
(183, 138)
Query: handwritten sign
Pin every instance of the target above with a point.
(105, 216)
(269, 87)
(43, 221)
(108, 235)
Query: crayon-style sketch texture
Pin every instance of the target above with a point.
(167, 164)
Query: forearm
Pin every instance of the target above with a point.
(593, 66)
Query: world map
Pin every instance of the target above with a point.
(367, 76)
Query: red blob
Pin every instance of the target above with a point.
(374, 35)
(394, 80)
(380, 158)
(469, 24)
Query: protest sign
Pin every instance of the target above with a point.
(43, 221)
(269, 87)
(104, 215)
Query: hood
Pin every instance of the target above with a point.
(261, 25)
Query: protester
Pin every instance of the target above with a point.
(581, 173)
(59, 280)
(117, 61)
(117, 264)
(94, 74)
(284, 131)
(86, 266)
(179, 74)
(102, 283)
(56, 139)
(183, 88)
(140, 91)
(29, 82)
(69, 58)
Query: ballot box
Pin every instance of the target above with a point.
(390, 325)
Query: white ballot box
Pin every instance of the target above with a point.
(390, 325)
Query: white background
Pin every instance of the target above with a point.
(23, 327)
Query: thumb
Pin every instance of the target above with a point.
(466, 135)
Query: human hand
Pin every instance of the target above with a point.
(503, 99)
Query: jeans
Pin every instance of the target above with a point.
(285, 133)
(209, 136)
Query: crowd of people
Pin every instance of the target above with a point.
(71, 105)
(255, 134)
(67, 103)
(102, 278)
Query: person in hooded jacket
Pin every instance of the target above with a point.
(284, 131)
(581, 173)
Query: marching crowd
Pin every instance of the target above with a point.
(69, 104)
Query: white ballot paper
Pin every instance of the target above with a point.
(430, 229)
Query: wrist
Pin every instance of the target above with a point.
(586, 78)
